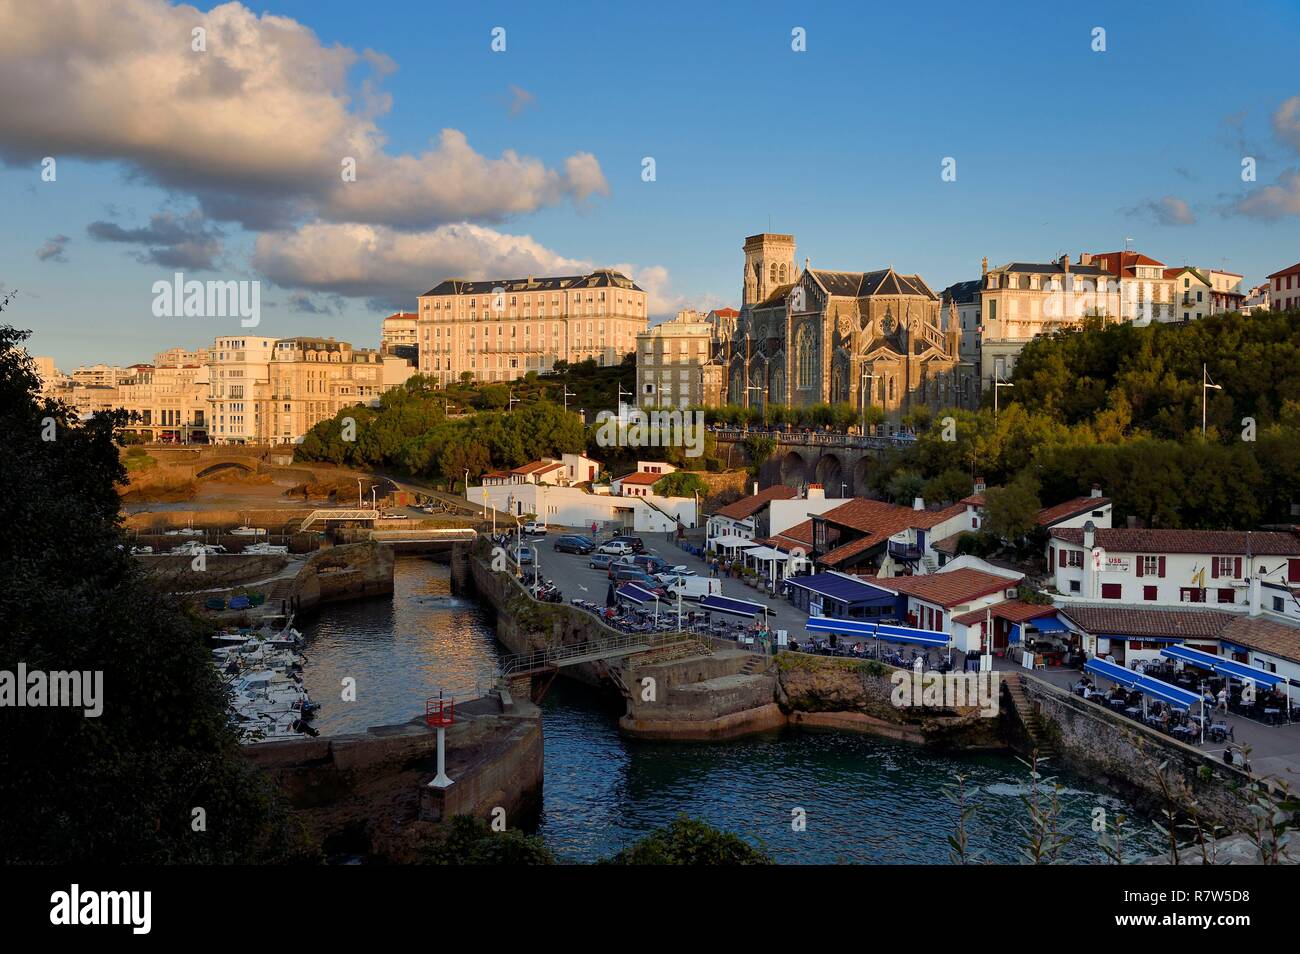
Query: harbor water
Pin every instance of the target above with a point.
(861, 799)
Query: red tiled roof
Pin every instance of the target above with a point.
(1210, 542)
(879, 521)
(974, 500)
(1012, 610)
(949, 544)
(748, 506)
(1070, 508)
(536, 467)
(1136, 621)
(1287, 271)
(1265, 635)
(800, 535)
(952, 588)
(641, 477)
(1123, 263)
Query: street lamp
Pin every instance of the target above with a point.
(1206, 384)
(361, 504)
(997, 384)
(567, 394)
(864, 395)
(510, 406)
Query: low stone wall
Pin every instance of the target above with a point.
(177, 573)
(1128, 757)
(368, 793)
(345, 572)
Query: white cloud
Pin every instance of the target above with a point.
(257, 126)
(369, 261)
(1286, 122)
(1274, 201)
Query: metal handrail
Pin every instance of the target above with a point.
(545, 658)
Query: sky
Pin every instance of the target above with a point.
(227, 162)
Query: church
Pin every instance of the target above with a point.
(870, 339)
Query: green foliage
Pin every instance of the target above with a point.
(119, 788)
(688, 841)
(680, 483)
(470, 841)
(1013, 509)
(759, 447)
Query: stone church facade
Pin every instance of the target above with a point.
(816, 336)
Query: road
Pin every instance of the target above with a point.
(576, 579)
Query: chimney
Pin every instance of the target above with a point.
(1253, 596)
(816, 492)
(984, 266)
(1065, 263)
(1089, 535)
(1085, 258)
(918, 503)
(980, 486)
(1096, 490)
(755, 490)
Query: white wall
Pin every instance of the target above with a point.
(571, 507)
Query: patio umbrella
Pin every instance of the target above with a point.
(609, 597)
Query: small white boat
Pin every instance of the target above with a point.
(248, 532)
(266, 549)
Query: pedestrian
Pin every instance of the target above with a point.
(1223, 700)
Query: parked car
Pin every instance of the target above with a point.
(616, 548)
(600, 561)
(572, 544)
(694, 587)
(522, 555)
(535, 527)
(645, 580)
(636, 543)
(673, 572)
(650, 563)
(622, 563)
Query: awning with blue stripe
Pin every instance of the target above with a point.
(637, 594)
(889, 633)
(1049, 624)
(725, 604)
(843, 588)
(1227, 667)
(1147, 685)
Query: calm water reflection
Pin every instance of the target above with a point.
(867, 800)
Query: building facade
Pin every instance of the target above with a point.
(871, 339)
(676, 364)
(499, 330)
(1284, 289)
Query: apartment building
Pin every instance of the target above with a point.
(676, 363)
(1170, 566)
(1284, 289)
(239, 374)
(960, 308)
(499, 330)
(1144, 293)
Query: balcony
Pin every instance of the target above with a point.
(904, 551)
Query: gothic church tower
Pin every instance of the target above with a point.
(769, 263)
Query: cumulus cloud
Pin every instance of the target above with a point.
(173, 241)
(1286, 122)
(257, 126)
(392, 266)
(1273, 201)
(1170, 210)
(54, 249)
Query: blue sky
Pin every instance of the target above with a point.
(1058, 149)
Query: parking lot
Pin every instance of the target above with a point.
(575, 578)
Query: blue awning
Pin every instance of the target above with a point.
(637, 594)
(1048, 624)
(892, 634)
(1014, 637)
(1147, 685)
(1227, 667)
(725, 604)
(843, 588)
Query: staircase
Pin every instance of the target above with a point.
(1039, 740)
(754, 664)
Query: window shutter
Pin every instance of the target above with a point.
(1293, 571)
(1140, 561)
(1162, 568)
(1214, 568)
(1236, 568)
(1061, 555)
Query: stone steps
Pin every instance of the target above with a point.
(1040, 741)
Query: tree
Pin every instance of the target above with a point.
(689, 841)
(680, 483)
(122, 787)
(1013, 510)
(469, 841)
(905, 486)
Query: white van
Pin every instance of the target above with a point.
(693, 587)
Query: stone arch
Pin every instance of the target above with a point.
(831, 475)
(794, 470)
(224, 465)
(861, 475)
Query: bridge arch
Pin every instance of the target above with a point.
(218, 466)
(830, 474)
(794, 470)
(859, 483)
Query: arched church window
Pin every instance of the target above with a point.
(783, 274)
(773, 273)
(806, 356)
